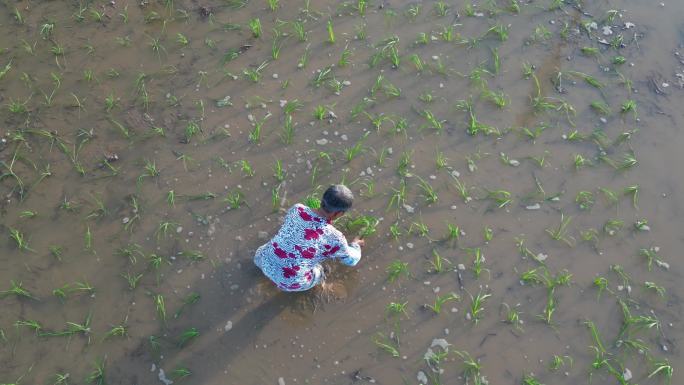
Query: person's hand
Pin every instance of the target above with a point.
(359, 241)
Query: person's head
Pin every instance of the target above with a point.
(337, 199)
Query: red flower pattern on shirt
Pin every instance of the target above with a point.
(307, 253)
(330, 250)
(308, 275)
(311, 234)
(282, 254)
(291, 271)
(306, 216)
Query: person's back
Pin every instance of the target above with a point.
(292, 258)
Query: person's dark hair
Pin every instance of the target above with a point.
(337, 198)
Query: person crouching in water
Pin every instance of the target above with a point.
(292, 258)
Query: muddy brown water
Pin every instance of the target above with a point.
(248, 332)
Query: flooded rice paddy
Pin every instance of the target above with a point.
(516, 165)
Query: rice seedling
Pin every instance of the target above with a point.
(413, 11)
(17, 107)
(364, 225)
(477, 306)
(432, 122)
(499, 198)
(498, 98)
(512, 316)
(273, 5)
(73, 328)
(541, 33)
(180, 372)
(18, 16)
(124, 14)
(246, 168)
(31, 324)
(420, 228)
(287, 135)
(396, 309)
(447, 33)
(417, 62)
(629, 106)
(385, 344)
(441, 300)
(641, 225)
(559, 361)
(255, 26)
(323, 76)
(662, 368)
(56, 252)
(254, 74)
(116, 331)
(344, 57)
(395, 231)
(187, 336)
(157, 47)
(88, 239)
(6, 69)
(472, 368)
(299, 30)
(651, 255)
(600, 107)
(632, 323)
(47, 29)
(478, 261)
(620, 272)
(257, 125)
(150, 170)
(438, 263)
(429, 193)
(404, 164)
(589, 51)
(613, 226)
(331, 32)
(234, 199)
(132, 279)
(441, 161)
(560, 233)
(585, 200)
(19, 239)
(193, 255)
(396, 269)
(654, 287)
(601, 284)
(469, 9)
(514, 7)
(441, 8)
(550, 306)
(580, 161)
(160, 306)
(499, 30)
(28, 214)
(463, 190)
(276, 46)
(97, 376)
(421, 39)
(190, 299)
(454, 233)
(530, 379)
(352, 152)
